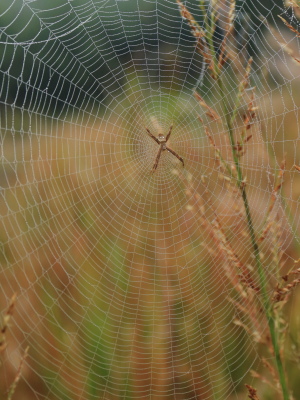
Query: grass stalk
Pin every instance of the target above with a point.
(216, 62)
(241, 183)
(267, 305)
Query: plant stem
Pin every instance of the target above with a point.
(229, 116)
(261, 272)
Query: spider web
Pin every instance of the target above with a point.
(121, 290)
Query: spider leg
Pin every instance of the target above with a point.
(175, 154)
(157, 159)
(169, 134)
(152, 136)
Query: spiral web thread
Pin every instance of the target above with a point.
(121, 292)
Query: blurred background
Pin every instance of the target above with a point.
(122, 288)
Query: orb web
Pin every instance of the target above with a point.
(123, 290)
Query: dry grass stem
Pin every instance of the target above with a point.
(272, 371)
(6, 319)
(282, 292)
(197, 32)
(224, 51)
(276, 235)
(247, 306)
(236, 272)
(292, 3)
(294, 272)
(274, 196)
(222, 164)
(233, 259)
(250, 115)
(213, 231)
(287, 49)
(297, 167)
(210, 112)
(244, 84)
(263, 379)
(252, 393)
(295, 5)
(291, 28)
(18, 375)
(202, 45)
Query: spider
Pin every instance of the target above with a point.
(161, 140)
